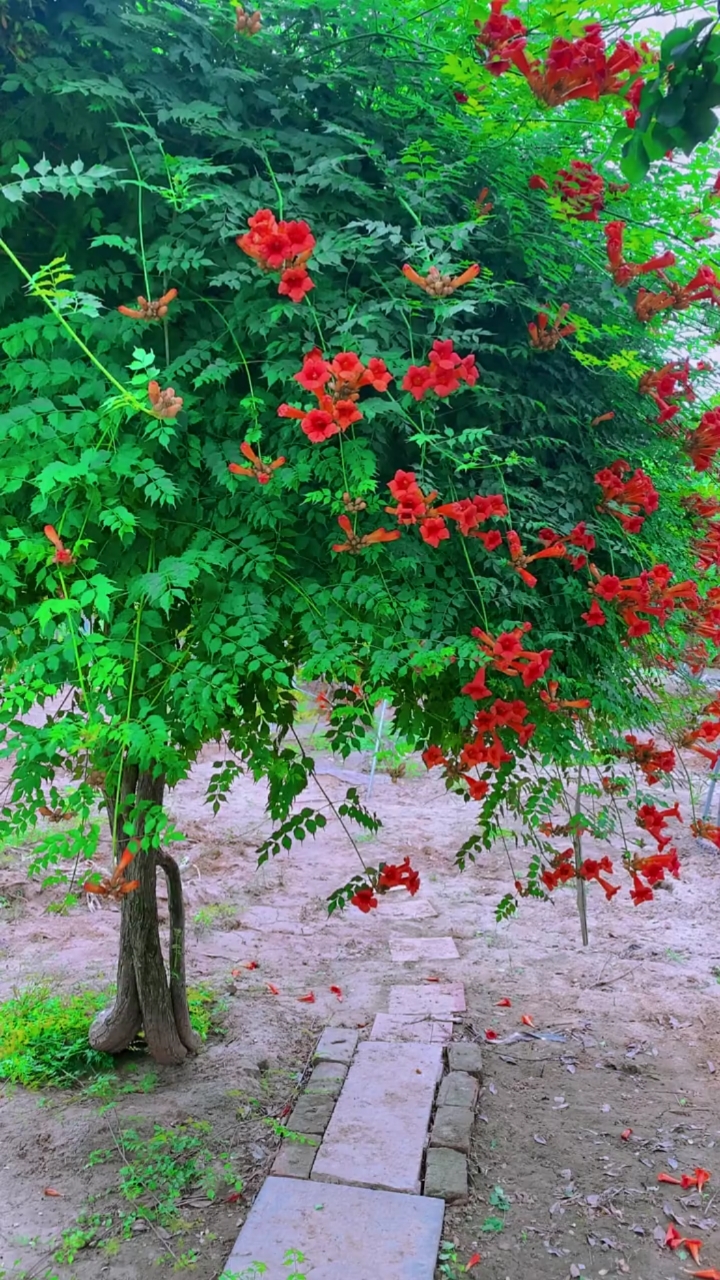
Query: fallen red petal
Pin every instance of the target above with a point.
(472, 1262)
(432, 979)
(673, 1239)
(50, 1191)
(693, 1247)
(251, 964)
(666, 1177)
(626, 1134)
(712, 1274)
(504, 1003)
(274, 991)
(337, 991)
(233, 1197)
(308, 999)
(490, 1034)
(701, 1177)
(527, 1020)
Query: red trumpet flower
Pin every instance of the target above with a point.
(62, 555)
(623, 272)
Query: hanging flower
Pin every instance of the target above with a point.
(262, 471)
(150, 310)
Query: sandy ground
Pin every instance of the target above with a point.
(637, 1013)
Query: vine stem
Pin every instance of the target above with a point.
(577, 847)
(477, 585)
(127, 395)
(131, 690)
(141, 234)
(333, 809)
(275, 183)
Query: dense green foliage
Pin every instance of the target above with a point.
(135, 142)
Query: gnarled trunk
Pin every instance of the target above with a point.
(149, 997)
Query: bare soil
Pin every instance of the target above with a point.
(636, 1010)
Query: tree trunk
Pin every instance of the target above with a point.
(147, 998)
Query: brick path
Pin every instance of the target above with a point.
(350, 1197)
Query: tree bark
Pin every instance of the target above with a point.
(147, 998)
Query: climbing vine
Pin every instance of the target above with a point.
(475, 424)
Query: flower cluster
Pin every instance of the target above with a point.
(653, 820)
(706, 831)
(416, 507)
(389, 876)
(486, 746)
(667, 384)
(702, 444)
(623, 272)
(553, 703)
(443, 374)
(495, 34)
(573, 69)
(262, 471)
(150, 310)
(248, 24)
(336, 385)
(506, 654)
(562, 869)
(357, 543)
(580, 188)
(437, 284)
(707, 545)
(650, 868)
(634, 495)
(649, 593)
(704, 731)
(520, 560)
(545, 336)
(704, 286)
(650, 759)
(280, 246)
(556, 546)
(165, 403)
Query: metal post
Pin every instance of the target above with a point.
(378, 740)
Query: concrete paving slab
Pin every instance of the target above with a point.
(341, 1231)
(453, 1128)
(404, 949)
(458, 1089)
(416, 1030)
(446, 1174)
(336, 1044)
(295, 1159)
(464, 1056)
(439, 998)
(377, 1133)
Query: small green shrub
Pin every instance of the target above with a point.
(44, 1038)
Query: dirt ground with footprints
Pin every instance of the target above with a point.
(555, 1189)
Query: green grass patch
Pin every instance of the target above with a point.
(44, 1037)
